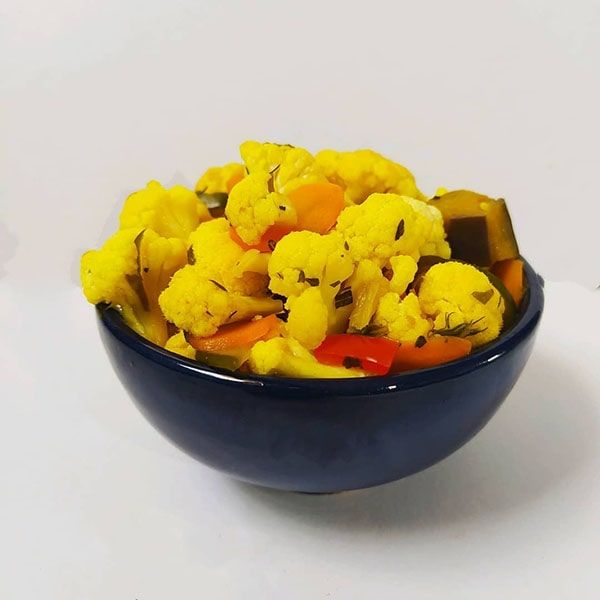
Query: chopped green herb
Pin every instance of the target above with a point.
(466, 329)
(351, 361)
(335, 283)
(313, 281)
(370, 330)
(301, 276)
(420, 341)
(190, 256)
(346, 246)
(219, 285)
(483, 297)
(343, 298)
(399, 230)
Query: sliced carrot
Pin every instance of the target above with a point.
(235, 335)
(429, 352)
(318, 205)
(233, 180)
(510, 272)
(267, 241)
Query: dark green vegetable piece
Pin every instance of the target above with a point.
(136, 281)
(491, 244)
(221, 361)
(510, 308)
(215, 203)
(468, 239)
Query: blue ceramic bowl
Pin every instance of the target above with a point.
(319, 435)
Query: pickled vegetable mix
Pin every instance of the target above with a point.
(326, 265)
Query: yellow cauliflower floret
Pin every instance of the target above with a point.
(297, 168)
(368, 285)
(221, 258)
(364, 172)
(104, 272)
(404, 269)
(179, 345)
(171, 213)
(308, 317)
(401, 319)
(433, 229)
(291, 166)
(387, 225)
(287, 357)
(304, 259)
(252, 208)
(159, 258)
(200, 305)
(263, 157)
(218, 180)
(462, 301)
(130, 271)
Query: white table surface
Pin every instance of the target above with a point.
(97, 98)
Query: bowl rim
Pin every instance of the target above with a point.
(528, 320)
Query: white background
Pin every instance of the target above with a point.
(98, 97)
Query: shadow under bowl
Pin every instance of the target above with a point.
(320, 435)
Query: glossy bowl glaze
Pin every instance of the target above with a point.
(319, 435)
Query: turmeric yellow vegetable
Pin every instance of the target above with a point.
(220, 180)
(401, 319)
(462, 302)
(200, 305)
(291, 167)
(130, 270)
(219, 257)
(387, 225)
(340, 251)
(179, 345)
(364, 172)
(252, 208)
(170, 213)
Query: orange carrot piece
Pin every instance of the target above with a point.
(510, 272)
(318, 205)
(429, 352)
(235, 335)
(232, 181)
(267, 241)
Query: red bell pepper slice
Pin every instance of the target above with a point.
(374, 355)
(267, 241)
